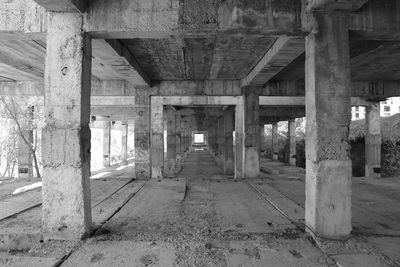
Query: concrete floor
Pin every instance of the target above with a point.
(203, 218)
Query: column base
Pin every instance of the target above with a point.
(328, 198)
(252, 163)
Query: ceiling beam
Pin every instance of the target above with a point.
(125, 53)
(279, 55)
(332, 5)
(63, 5)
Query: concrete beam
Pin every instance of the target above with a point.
(198, 100)
(280, 54)
(289, 112)
(19, 17)
(332, 5)
(63, 5)
(125, 53)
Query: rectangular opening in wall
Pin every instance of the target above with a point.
(199, 138)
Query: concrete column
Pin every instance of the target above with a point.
(66, 210)
(252, 132)
(25, 167)
(178, 141)
(124, 144)
(170, 161)
(262, 138)
(157, 137)
(142, 134)
(228, 144)
(292, 141)
(328, 106)
(373, 141)
(107, 144)
(221, 142)
(275, 142)
(239, 139)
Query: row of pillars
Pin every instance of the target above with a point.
(373, 141)
(66, 136)
(179, 135)
(220, 140)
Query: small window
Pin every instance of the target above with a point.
(357, 115)
(386, 108)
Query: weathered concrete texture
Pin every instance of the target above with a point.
(170, 161)
(66, 136)
(328, 172)
(252, 132)
(157, 137)
(130, 19)
(107, 144)
(373, 141)
(292, 141)
(275, 141)
(228, 147)
(239, 138)
(22, 16)
(260, 16)
(142, 134)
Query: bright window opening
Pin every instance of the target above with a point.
(198, 138)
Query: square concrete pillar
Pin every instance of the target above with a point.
(275, 142)
(292, 142)
(142, 134)
(178, 141)
(239, 139)
(252, 132)
(25, 167)
(66, 136)
(124, 144)
(107, 144)
(228, 143)
(328, 164)
(170, 161)
(373, 141)
(157, 137)
(221, 142)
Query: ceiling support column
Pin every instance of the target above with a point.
(373, 141)
(170, 161)
(142, 134)
(328, 106)
(124, 144)
(275, 141)
(157, 137)
(228, 142)
(292, 141)
(66, 135)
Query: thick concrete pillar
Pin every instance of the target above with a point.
(178, 141)
(66, 136)
(107, 144)
(292, 141)
(142, 134)
(25, 167)
(373, 141)
(328, 165)
(252, 132)
(228, 143)
(170, 161)
(275, 142)
(124, 144)
(157, 137)
(239, 139)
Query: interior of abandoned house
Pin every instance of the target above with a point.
(191, 88)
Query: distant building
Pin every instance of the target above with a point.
(388, 108)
